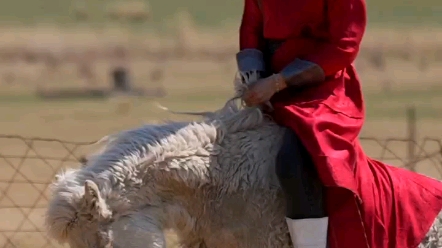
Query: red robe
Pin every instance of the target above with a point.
(370, 204)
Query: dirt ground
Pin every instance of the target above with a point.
(191, 85)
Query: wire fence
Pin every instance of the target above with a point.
(28, 166)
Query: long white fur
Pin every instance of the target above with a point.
(212, 181)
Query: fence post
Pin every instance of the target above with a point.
(412, 139)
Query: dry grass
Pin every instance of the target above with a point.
(191, 85)
(60, 41)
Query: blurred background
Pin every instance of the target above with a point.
(63, 61)
(78, 70)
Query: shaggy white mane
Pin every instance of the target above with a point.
(130, 158)
(210, 180)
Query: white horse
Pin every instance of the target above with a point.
(211, 181)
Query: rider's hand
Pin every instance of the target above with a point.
(262, 90)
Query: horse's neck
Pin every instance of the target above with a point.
(194, 157)
(239, 161)
(170, 190)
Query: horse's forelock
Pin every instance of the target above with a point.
(67, 205)
(61, 213)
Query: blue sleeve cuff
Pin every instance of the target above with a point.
(301, 72)
(296, 67)
(250, 60)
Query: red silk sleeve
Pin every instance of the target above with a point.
(347, 22)
(251, 29)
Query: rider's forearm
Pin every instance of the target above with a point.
(250, 58)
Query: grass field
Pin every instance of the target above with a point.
(191, 85)
(206, 12)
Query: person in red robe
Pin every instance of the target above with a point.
(302, 52)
